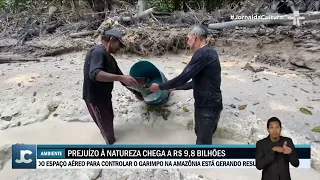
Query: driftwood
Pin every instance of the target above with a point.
(162, 14)
(291, 4)
(142, 5)
(52, 26)
(143, 13)
(285, 19)
(137, 16)
(42, 50)
(181, 25)
(109, 22)
(13, 58)
(82, 34)
(4, 43)
(52, 10)
(29, 34)
(57, 51)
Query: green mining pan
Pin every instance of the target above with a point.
(147, 73)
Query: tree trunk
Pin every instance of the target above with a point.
(97, 5)
(142, 5)
(74, 8)
(184, 6)
(177, 5)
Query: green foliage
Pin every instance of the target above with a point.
(15, 6)
(2, 4)
(162, 5)
(178, 5)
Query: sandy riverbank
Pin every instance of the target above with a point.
(45, 100)
(86, 133)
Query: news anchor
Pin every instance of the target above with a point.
(275, 152)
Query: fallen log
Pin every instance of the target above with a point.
(162, 14)
(182, 25)
(57, 51)
(29, 34)
(13, 58)
(82, 34)
(137, 16)
(143, 13)
(62, 46)
(285, 19)
(53, 26)
(7, 43)
(52, 10)
(108, 23)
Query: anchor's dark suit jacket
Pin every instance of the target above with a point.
(274, 165)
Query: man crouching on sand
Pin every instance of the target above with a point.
(100, 72)
(205, 71)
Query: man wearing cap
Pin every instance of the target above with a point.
(100, 72)
(205, 71)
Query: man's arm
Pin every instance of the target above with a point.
(197, 63)
(293, 156)
(138, 94)
(262, 159)
(95, 71)
(186, 86)
(119, 72)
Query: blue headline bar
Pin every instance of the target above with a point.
(61, 146)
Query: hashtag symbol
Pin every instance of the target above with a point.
(232, 17)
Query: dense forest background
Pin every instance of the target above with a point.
(15, 6)
(150, 26)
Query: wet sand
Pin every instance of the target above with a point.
(59, 132)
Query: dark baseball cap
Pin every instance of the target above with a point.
(115, 33)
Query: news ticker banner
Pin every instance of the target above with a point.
(30, 156)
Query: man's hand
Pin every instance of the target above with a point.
(154, 87)
(278, 149)
(139, 96)
(129, 81)
(286, 149)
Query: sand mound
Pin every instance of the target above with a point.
(147, 41)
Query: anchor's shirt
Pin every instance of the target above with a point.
(205, 71)
(275, 165)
